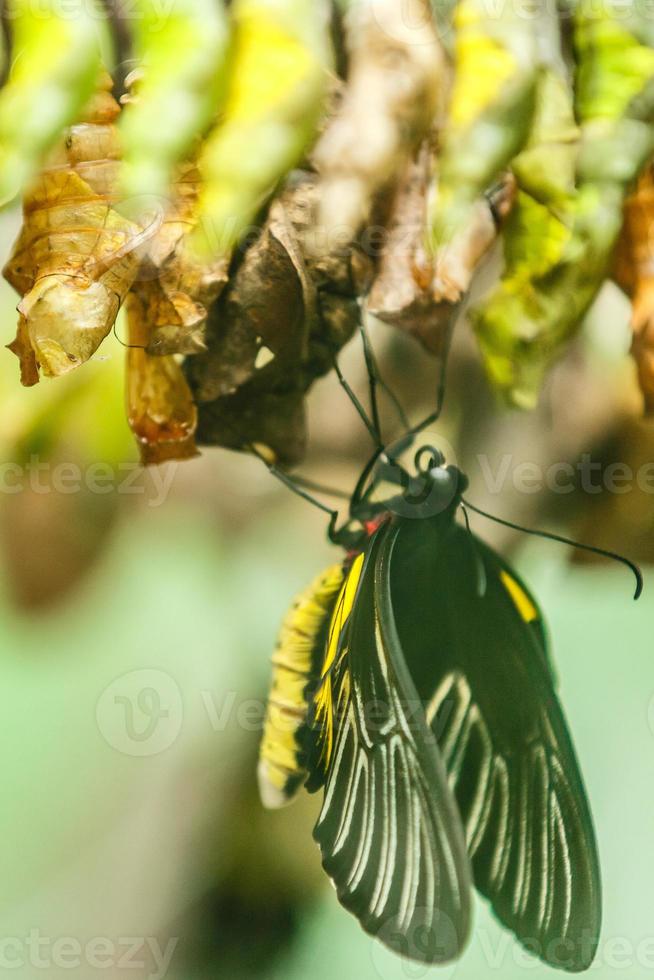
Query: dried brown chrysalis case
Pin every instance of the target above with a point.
(160, 408)
(395, 80)
(412, 292)
(274, 330)
(76, 255)
(177, 289)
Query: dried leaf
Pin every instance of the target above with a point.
(76, 256)
(160, 408)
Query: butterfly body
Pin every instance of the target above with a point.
(296, 667)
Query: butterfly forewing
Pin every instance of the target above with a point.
(389, 830)
(481, 668)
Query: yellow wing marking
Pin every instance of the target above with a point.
(522, 602)
(324, 697)
(281, 770)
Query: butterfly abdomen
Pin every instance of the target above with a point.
(296, 664)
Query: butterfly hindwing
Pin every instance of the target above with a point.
(389, 831)
(481, 668)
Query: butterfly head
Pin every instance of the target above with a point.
(435, 485)
(432, 487)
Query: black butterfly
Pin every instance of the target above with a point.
(414, 684)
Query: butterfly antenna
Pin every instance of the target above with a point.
(481, 568)
(563, 540)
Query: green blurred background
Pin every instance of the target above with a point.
(136, 629)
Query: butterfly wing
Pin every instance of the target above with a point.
(481, 668)
(389, 830)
